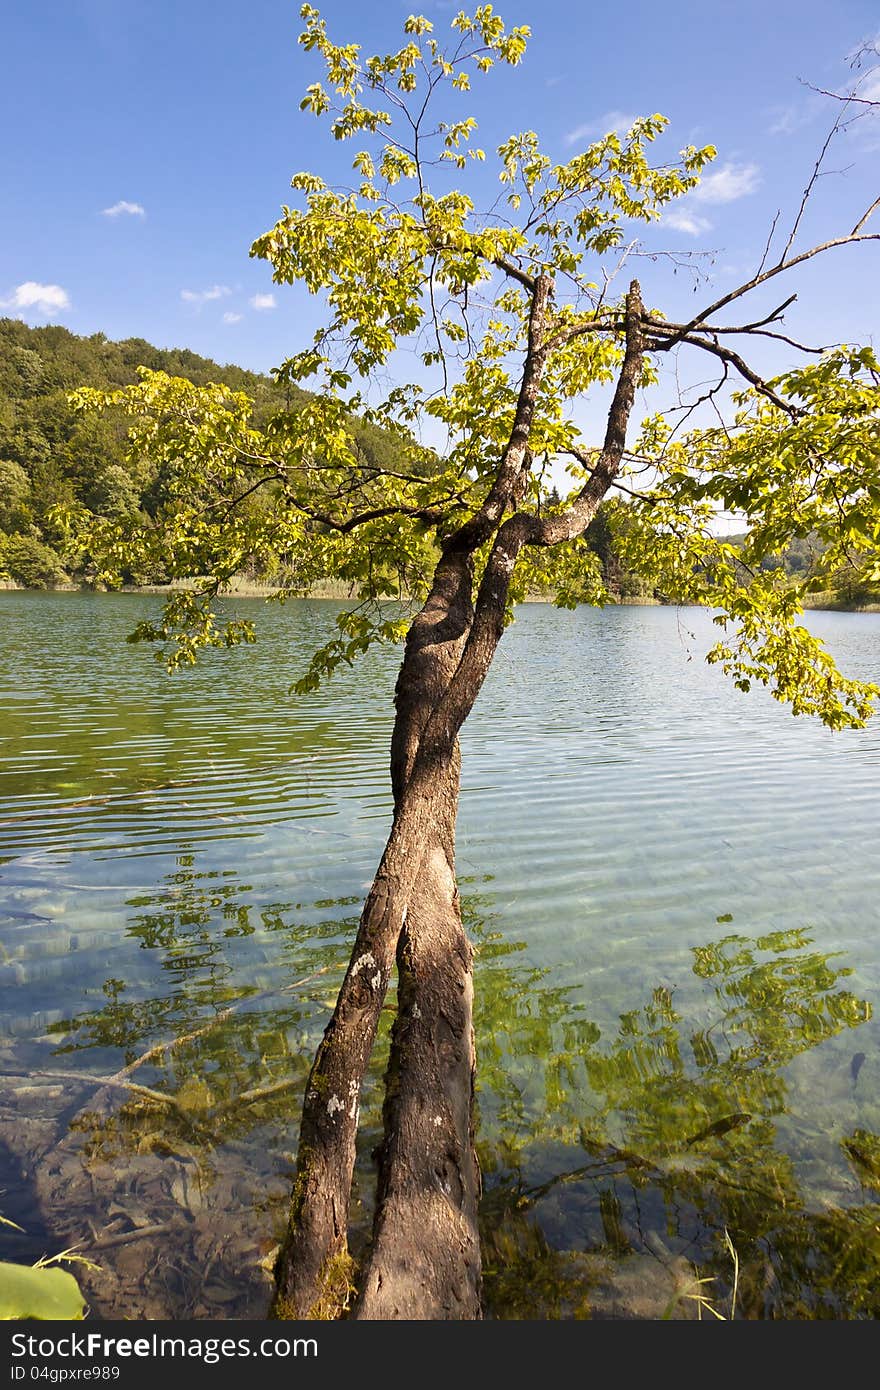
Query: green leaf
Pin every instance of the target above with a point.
(45, 1294)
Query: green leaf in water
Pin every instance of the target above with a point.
(43, 1293)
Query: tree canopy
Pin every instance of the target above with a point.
(406, 257)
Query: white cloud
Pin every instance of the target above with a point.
(230, 317)
(787, 120)
(871, 89)
(45, 299)
(123, 208)
(728, 183)
(688, 222)
(612, 120)
(263, 301)
(203, 296)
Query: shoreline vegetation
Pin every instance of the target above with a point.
(53, 459)
(328, 589)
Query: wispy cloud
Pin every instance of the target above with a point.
(788, 119)
(869, 90)
(728, 183)
(204, 296)
(124, 209)
(48, 300)
(263, 301)
(230, 317)
(612, 120)
(688, 222)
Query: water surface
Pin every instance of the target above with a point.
(672, 889)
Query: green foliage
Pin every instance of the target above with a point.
(52, 458)
(14, 488)
(405, 259)
(30, 562)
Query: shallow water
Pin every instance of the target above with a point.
(673, 893)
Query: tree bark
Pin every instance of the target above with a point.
(425, 1257)
(314, 1271)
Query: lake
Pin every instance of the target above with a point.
(673, 893)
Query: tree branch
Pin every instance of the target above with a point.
(552, 530)
(515, 273)
(506, 487)
(429, 514)
(782, 265)
(727, 355)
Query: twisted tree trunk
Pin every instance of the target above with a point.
(425, 1256)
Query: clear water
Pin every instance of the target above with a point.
(673, 892)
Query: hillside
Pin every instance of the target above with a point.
(49, 456)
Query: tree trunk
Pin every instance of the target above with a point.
(314, 1273)
(425, 1257)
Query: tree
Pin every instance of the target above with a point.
(514, 314)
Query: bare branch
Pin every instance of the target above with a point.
(769, 240)
(429, 514)
(811, 183)
(706, 397)
(727, 355)
(230, 506)
(847, 98)
(755, 329)
(595, 325)
(515, 273)
(772, 317)
(851, 239)
(862, 220)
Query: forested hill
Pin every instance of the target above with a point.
(49, 456)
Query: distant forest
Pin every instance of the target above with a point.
(50, 456)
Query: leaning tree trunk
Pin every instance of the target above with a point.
(424, 1260)
(425, 1256)
(314, 1271)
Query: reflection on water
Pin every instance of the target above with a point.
(654, 1143)
(672, 891)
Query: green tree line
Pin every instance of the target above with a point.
(51, 456)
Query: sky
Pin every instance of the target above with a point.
(147, 145)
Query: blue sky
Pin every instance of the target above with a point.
(148, 144)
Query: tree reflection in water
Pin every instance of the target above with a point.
(613, 1163)
(678, 1130)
